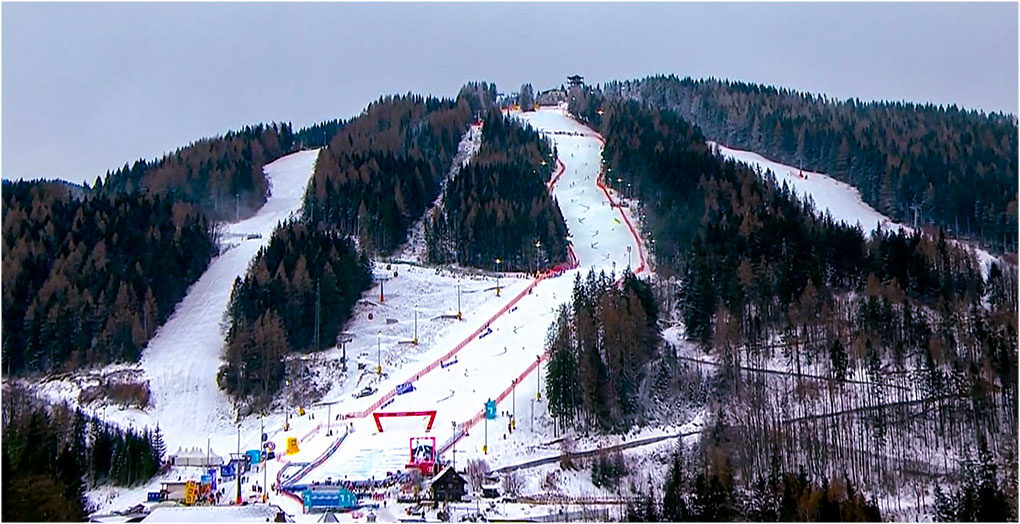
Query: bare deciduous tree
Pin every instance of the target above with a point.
(512, 484)
(476, 471)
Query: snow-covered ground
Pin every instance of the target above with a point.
(181, 361)
(840, 199)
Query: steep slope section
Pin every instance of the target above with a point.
(182, 361)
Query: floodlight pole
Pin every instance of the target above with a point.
(538, 247)
(538, 375)
(497, 276)
(265, 480)
(513, 404)
(378, 353)
(263, 463)
(454, 452)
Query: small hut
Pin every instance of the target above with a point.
(447, 486)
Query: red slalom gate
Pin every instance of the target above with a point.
(431, 414)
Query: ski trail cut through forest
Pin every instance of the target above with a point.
(414, 249)
(182, 360)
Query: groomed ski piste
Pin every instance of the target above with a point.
(499, 350)
(181, 361)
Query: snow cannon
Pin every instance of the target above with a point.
(292, 446)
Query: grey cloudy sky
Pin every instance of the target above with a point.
(87, 87)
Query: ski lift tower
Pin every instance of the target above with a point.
(343, 340)
(382, 278)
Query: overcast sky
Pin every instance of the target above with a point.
(87, 87)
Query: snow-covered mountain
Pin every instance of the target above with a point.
(495, 352)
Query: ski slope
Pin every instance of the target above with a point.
(839, 199)
(488, 364)
(182, 359)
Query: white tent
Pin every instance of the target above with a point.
(195, 457)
